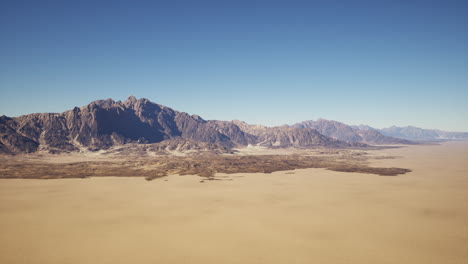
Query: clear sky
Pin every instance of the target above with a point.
(372, 62)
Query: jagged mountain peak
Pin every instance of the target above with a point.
(131, 99)
(107, 103)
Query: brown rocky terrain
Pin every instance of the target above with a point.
(178, 146)
(137, 162)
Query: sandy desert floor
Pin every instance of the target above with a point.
(301, 216)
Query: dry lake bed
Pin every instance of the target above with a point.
(298, 216)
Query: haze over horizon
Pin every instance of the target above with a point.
(378, 63)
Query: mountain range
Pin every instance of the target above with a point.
(103, 124)
(417, 134)
(340, 131)
(420, 134)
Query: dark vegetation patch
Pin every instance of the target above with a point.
(203, 165)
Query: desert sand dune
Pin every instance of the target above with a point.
(300, 216)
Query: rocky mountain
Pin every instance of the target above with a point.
(333, 129)
(287, 136)
(234, 132)
(343, 132)
(13, 142)
(106, 123)
(103, 124)
(363, 127)
(421, 134)
(373, 136)
(299, 137)
(251, 129)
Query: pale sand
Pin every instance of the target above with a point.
(310, 216)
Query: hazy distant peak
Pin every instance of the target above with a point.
(363, 127)
(421, 134)
(107, 103)
(341, 131)
(131, 99)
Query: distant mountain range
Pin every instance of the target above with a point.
(340, 131)
(417, 134)
(106, 123)
(420, 134)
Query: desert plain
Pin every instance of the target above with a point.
(321, 214)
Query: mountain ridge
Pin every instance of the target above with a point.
(103, 124)
(106, 123)
(422, 134)
(341, 131)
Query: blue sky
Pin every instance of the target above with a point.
(375, 62)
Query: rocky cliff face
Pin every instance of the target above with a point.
(13, 142)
